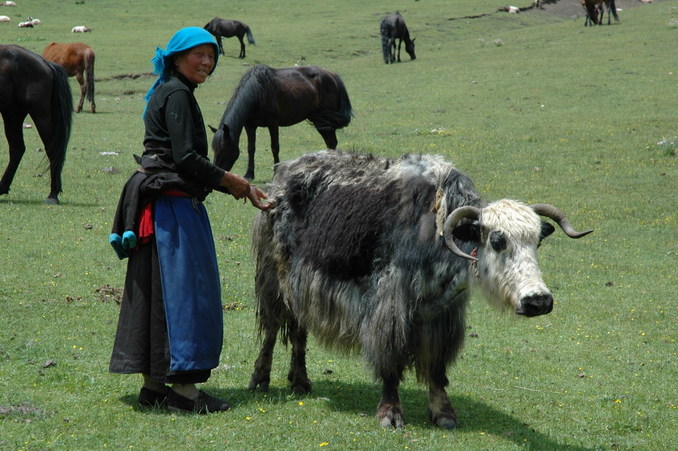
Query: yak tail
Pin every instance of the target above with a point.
(89, 74)
(250, 37)
(62, 117)
(385, 43)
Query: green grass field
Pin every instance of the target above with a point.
(532, 106)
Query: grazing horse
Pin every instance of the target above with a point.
(272, 98)
(393, 27)
(78, 59)
(229, 28)
(30, 85)
(595, 11)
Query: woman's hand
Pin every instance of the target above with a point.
(240, 188)
(256, 195)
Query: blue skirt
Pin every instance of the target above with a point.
(190, 283)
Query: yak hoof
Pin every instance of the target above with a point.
(302, 387)
(256, 385)
(446, 419)
(390, 416)
(52, 201)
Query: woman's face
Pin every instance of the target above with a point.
(196, 63)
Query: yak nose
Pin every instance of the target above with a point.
(535, 305)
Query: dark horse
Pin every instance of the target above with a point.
(31, 85)
(393, 27)
(229, 28)
(267, 97)
(595, 11)
(78, 59)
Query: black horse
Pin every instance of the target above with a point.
(30, 85)
(393, 27)
(229, 28)
(272, 98)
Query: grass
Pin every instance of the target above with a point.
(533, 107)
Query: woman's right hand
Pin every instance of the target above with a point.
(238, 186)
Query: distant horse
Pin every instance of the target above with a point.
(30, 85)
(78, 59)
(229, 28)
(272, 98)
(595, 11)
(393, 27)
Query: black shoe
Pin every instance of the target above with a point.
(152, 398)
(202, 405)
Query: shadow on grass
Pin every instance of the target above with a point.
(362, 399)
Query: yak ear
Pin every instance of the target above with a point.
(214, 130)
(468, 231)
(546, 230)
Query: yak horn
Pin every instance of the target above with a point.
(559, 217)
(451, 222)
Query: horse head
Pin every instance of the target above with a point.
(225, 147)
(409, 48)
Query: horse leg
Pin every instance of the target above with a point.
(46, 131)
(330, 137)
(297, 375)
(17, 148)
(275, 144)
(221, 46)
(83, 90)
(251, 147)
(242, 48)
(389, 412)
(440, 411)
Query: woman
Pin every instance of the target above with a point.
(170, 327)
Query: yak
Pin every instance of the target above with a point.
(379, 255)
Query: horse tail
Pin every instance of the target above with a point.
(332, 120)
(385, 44)
(344, 109)
(250, 37)
(62, 117)
(89, 73)
(612, 7)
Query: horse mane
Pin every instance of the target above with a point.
(256, 86)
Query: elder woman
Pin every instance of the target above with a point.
(170, 327)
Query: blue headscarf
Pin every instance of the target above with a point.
(184, 39)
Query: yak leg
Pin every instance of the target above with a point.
(389, 412)
(83, 90)
(400, 43)
(440, 411)
(17, 148)
(251, 147)
(330, 137)
(261, 377)
(297, 375)
(392, 48)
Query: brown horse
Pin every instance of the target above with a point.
(31, 85)
(272, 98)
(229, 28)
(78, 59)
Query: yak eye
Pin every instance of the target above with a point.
(498, 241)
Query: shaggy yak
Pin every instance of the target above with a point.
(379, 255)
